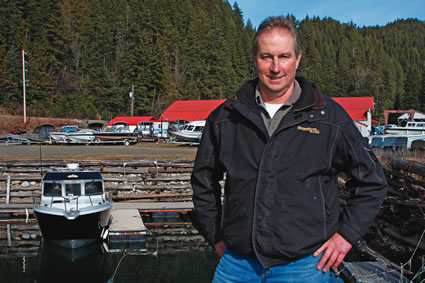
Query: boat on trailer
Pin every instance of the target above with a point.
(117, 134)
(191, 132)
(82, 136)
(72, 210)
(411, 128)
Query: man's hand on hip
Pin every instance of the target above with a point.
(334, 251)
(219, 247)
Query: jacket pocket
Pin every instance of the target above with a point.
(300, 215)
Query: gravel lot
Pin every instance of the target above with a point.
(139, 151)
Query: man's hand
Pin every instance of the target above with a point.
(334, 250)
(219, 248)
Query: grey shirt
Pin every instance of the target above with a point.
(273, 122)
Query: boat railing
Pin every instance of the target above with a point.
(36, 198)
(69, 200)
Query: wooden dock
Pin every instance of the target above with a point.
(141, 206)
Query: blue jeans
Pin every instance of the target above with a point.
(236, 268)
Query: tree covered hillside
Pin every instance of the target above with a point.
(84, 56)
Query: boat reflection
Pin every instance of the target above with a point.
(86, 264)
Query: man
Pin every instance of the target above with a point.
(281, 144)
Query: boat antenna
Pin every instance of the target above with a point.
(41, 162)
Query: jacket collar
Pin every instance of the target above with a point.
(311, 96)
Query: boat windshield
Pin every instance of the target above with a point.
(74, 189)
(198, 129)
(94, 188)
(52, 189)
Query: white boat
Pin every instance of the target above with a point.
(82, 136)
(60, 136)
(191, 132)
(72, 210)
(411, 128)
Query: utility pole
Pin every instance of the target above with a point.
(23, 86)
(132, 99)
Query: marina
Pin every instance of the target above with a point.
(157, 194)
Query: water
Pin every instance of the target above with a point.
(173, 254)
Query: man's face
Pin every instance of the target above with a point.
(276, 64)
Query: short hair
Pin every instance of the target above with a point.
(276, 22)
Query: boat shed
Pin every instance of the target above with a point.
(191, 110)
(360, 110)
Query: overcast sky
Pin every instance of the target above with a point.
(361, 12)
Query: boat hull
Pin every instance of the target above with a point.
(404, 131)
(74, 233)
(187, 137)
(116, 136)
(58, 136)
(80, 138)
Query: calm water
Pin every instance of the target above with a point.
(171, 255)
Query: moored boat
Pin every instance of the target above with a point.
(72, 210)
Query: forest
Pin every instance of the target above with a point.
(82, 58)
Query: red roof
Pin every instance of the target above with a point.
(191, 110)
(356, 107)
(131, 120)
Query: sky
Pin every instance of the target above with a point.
(360, 12)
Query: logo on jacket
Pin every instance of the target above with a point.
(310, 130)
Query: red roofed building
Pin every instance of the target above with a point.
(360, 110)
(191, 110)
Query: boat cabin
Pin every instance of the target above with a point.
(72, 210)
(72, 191)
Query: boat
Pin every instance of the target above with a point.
(72, 210)
(145, 129)
(117, 134)
(60, 136)
(82, 136)
(411, 128)
(40, 134)
(191, 132)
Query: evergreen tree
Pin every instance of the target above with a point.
(412, 89)
(85, 55)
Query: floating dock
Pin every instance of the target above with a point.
(126, 231)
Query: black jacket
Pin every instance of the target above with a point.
(281, 192)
